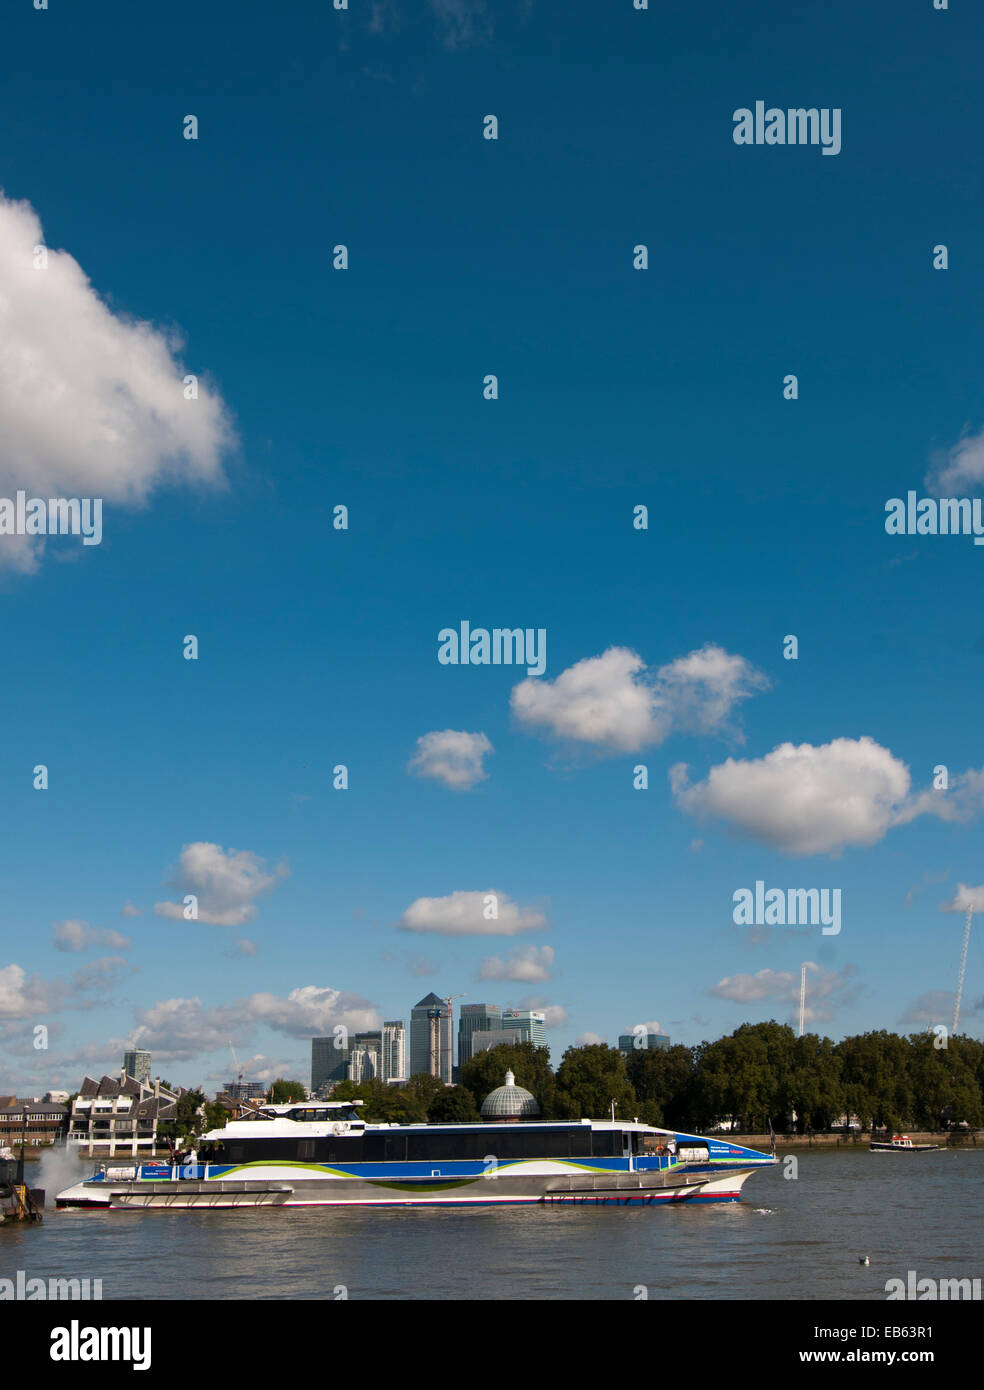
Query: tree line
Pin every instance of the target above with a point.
(760, 1074)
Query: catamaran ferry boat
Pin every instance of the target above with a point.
(324, 1154)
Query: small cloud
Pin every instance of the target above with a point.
(471, 914)
(525, 963)
(958, 469)
(556, 1017)
(225, 882)
(245, 947)
(451, 757)
(128, 910)
(75, 935)
(965, 897)
(589, 1039)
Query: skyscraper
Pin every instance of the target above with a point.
(530, 1023)
(420, 1037)
(137, 1065)
(473, 1018)
(630, 1042)
(329, 1061)
(394, 1050)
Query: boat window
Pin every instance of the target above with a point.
(305, 1148)
(606, 1143)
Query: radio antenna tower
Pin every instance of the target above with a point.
(963, 969)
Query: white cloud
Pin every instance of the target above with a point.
(825, 989)
(963, 898)
(33, 998)
(959, 469)
(313, 1009)
(806, 799)
(245, 947)
(21, 997)
(803, 799)
(618, 705)
(451, 756)
(92, 401)
(651, 1027)
(589, 1039)
(225, 883)
(74, 935)
(556, 1017)
(179, 1029)
(128, 910)
(525, 963)
(468, 914)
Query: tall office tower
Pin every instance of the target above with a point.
(629, 1042)
(363, 1064)
(531, 1023)
(394, 1066)
(473, 1018)
(329, 1062)
(137, 1065)
(484, 1038)
(420, 1037)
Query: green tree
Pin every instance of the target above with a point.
(454, 1105)
(529, 1064)
(589, 1078)
(877, 1079)
(813, 1083)
(663, 1079)
(282, 1092)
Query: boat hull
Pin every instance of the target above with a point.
(301, 1189)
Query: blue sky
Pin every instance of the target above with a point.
(364, 387)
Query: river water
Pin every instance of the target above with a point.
(789, 1238)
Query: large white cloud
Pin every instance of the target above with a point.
(529, 964)
(615, 703)
(225, 882)
(92, 402)
(807, 799)
(471, 914)
(452, 757)
(803, 799)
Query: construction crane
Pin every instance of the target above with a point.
(963, 971)
(239, 1070)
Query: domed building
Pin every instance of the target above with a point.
(510, 1103)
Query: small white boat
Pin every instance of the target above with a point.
(900, 1143)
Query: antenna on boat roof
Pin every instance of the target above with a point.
(613, 1112)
